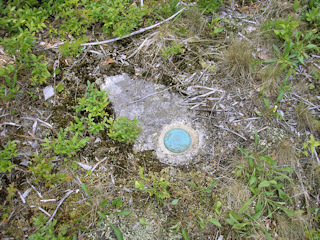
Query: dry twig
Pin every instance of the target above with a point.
(133, 33)
(61, 201)
(227, 129)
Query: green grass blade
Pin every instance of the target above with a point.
(117, 232)
(185, 234)
(214, 221)
(85, 189)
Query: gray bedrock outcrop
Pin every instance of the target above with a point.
(158, 110)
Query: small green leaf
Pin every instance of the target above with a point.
(317, 76)
(201, 222)
(74, 165)
(311, 86)
(117, 232)
(175, 202)
(85, 189)
(60, 87)
(212, 185)
(280, 96)
(244, 152)
(289, 170)
(114, 202)
(257, 215)
(256, 138)
(192, 184)
(57, 71)
(269, 160)
(240, 167)
(259, 206)
(139, 185)
(123, 212)
(119, 204)
(185, 234)
(274, 46)
(102, 215)
(104, 203)
(252, 180)
(143, 221)
(266, 102)
(264, 184)
(268, 237)
(251, 164)
(245, 206)
(239, 226)
(296, 5)
(311, 46)
(214, 221)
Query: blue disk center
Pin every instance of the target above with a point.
(177, 140)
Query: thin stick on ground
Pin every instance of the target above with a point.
(306, 101)
(38, 193)
(135, 32)
(42, 210)
(61, 201)
(227, 129)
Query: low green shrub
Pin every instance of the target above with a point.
(153, 186)
(72, 48)
(67, 142)
(124, 130)
(209, 6)
(93, 102)
(46, 231)
(175, 48)
(267, 183)
(10, 89)
(41, 169)
(9, 151)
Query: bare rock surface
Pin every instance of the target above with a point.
(156, 108)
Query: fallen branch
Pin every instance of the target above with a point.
(61, 201)
(133, 33)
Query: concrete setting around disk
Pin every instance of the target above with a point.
(178, 158)
(194, 137)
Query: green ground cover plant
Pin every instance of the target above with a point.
(296, 44)
(266, 182)
(72, 48)
(153, 186)
(209, 6)
(41, 169)
(10, 89)
(94, 102)
(93, 105)
(66, 143)
(46, 231)
(9, 151)
(8, 207)
(105, 211)
(175, 48)
(310, 145)
(124, 130)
